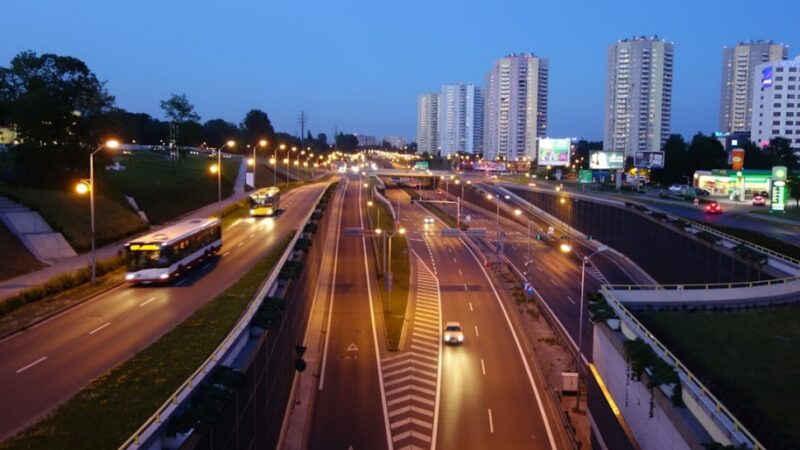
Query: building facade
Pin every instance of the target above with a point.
(776, 102)
(738, 71)
(460, 119)
(395, 141)
(515, 111)
(428, 123)
(638, 95)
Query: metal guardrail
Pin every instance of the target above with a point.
(186, 389)
(643, 333)
(707, 286)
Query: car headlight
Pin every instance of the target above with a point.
(461, 338)
(129, 276)
(164, 276)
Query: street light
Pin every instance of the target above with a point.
(254, 163)
(217, 169)
(88, 186)
(584, 260)
(275, 162)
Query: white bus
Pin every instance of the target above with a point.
(163, 255)
(265, 201)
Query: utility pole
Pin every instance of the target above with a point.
(302, 119)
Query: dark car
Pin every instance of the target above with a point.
(713, 208)
(701, 192)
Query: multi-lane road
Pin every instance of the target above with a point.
(45, 365)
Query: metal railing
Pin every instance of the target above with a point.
(719, 409)
(700, 286)
(185, 390)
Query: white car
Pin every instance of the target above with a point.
(676, 188)
(428, 220)
(453, 333)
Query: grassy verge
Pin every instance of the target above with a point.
(105, 413)
(166, 189)
(757, 238)
(68, 213)
(395, 302)
(22, 261)
(792, 213)
(744, 358)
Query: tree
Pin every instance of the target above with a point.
(706, 153)
(346, 142)
(793, 185)
(755, 157)
(782, 154)
(217, 131)
(55, 104)
(582, 150)
(256, 126)
(134, 127)
(178, 109)
(675, 162)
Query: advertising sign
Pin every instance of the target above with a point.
(492, 166)
(421, 165)
(606, 160)
(779, 173)
(585, 176)
(737, 159)
(648, 160)
(554, 152)
(766, 77)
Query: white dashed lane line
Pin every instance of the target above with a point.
(31, 364)
(570, 299)
(99, 328)
(476, 331)
(483, 367)
(226, 253)
(147, 301)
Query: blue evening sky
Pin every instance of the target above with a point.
(360, 65)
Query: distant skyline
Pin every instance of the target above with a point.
(360, 65)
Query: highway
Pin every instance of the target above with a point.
(489, 397)
(349, 410)
(44, 366)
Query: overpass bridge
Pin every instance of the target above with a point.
(408, 173)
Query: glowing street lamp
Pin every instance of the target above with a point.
(87, 186)
(217, 169)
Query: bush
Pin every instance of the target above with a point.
(302, 244)
(310, 227)
(291, 270)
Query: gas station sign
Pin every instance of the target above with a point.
(777, 194)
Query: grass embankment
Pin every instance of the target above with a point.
(747, 360)
(22, 261)
(68, 213)
(792, 213)
(394, 302)
(754, 237)
(166, 189)
(108, 411)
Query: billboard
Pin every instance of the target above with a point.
(491, 166)
(737, 159)
(648, 160)
(766, 77)
(554, 152)
(606, 160)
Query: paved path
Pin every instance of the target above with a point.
(15, 285)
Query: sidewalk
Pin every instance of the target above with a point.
(14, 286)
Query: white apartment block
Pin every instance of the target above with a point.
(515, 107)
(638, 95)
(776, 102)
(738, 72)
(460, 119)
(428, 123)
(395, 141)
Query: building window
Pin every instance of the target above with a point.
(776, 122)
(776, 114)
(776, 105)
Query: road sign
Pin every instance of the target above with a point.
(528, 288)
(585, 176)
(551, 230)
(476, 232)
(467, 218)
(450, 232)
(778, 196)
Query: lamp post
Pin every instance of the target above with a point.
(289, 164)
(254, 162)
(275, 160)
(566, 248)
(83, 188)
(218, 170)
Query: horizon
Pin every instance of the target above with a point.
(346, 69)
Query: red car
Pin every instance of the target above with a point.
(713, 208)
(759, 200)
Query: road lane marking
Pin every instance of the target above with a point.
(470, 306)
(540, 268)
(99, 328)
(252, 234)
(465, 287)
(483, 367)
(455, 261)
(476, 331)
(460, 272)
(147, 301)
(240, 244)
(31, 364)
(226, 253)
(554, 283)
(491, 422)
(570, 299)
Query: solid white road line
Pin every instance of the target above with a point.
(483, 367)
(252, 234)
(99, 328)
(333, 289)
(31, 364)
(147, 301)
(491, 422)
(540, 268)
(470, 306)
(476, 331)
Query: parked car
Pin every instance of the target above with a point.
(759, 200)
(713, 208)
(453, 333)
(701, 192)
(676, 188)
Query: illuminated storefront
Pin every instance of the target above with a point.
(726, 182)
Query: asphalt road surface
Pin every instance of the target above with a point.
(489, 398)
(349, 410)
(45, 365)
